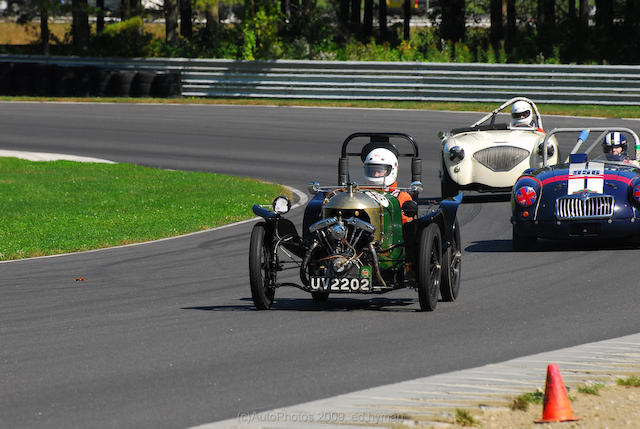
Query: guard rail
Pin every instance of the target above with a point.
(409, 81)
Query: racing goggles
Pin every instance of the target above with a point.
(521, 115)
(377, 170)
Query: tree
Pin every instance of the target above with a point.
(80, 26)
(497, 29)
(171, 21)
(367, 20)
(604, 14)
(355, 15)
(510, 36)
(407, 19)
(382, 10)
(452, 27)
(186, 25)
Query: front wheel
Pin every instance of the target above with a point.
(429, 267)
(261, 274)
(452, 268)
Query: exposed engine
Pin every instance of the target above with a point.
(341, 246)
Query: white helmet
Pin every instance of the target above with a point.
(521, 114)
(381, 167)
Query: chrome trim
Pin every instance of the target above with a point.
(584, 207)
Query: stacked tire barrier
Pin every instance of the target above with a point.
(54, 80)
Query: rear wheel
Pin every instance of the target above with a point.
(452, 268)
(448, 188)
(522, 242)
(429, 267)
(261, 274)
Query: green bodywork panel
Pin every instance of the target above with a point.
(392, 235)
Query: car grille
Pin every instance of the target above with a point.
(501, 158)
(596, 207)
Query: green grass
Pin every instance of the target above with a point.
(633, 381)
(57, 207)
(591, 389)
(464, 418)
(545, 109)
(522, 402)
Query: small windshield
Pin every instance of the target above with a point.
(376, 170)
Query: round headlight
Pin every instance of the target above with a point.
(526, 196)
(456, 153)
(313, 188)
(281, 204)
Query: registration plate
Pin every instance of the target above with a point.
(340, 285)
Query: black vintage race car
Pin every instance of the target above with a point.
(353, 238)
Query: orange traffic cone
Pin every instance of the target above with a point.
(556, 406)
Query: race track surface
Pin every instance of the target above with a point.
(165, 334)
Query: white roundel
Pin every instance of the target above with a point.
(381, 167)
(381, 199)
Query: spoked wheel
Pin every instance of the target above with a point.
(452, 268)
(429, 267)
(261, 274)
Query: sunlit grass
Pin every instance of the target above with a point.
(63, 206)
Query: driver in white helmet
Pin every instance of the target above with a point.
(521, 115)
(381, 169)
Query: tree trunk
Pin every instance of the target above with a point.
(510, 36)
(632, 14)
(604, 14)
(497, 30)
(171, 21)
(584, 15)
(125, 9)
(572, 10)
(212, 16)
(186, 25)
(355, 13)
(44, 28)
(80, 26)
(344, 12)
(383, 20)
(407, 20)
(452, 27)
(367, 20)
(99, 16)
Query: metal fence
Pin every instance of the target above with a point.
(409, 81)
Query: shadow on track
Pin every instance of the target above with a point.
(503, 246)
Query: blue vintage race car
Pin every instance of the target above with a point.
(590, 195)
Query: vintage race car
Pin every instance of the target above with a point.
(589, 195)
(489, 156)
(353, 238)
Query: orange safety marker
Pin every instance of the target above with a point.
(556, 407)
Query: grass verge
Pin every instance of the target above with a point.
(545, 109)
(63, 206)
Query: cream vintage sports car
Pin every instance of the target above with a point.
(489, 156)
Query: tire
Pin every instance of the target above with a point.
(522, 242)
(260, 276)
(429, 267)
(448, 188)
(319, 297)
(452, 268)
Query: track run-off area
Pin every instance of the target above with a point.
(165, 334)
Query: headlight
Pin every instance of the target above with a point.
(456, 153)
(281, 204)
(313, 188)
(525, 196)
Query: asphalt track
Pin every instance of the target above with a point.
(165, 335)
